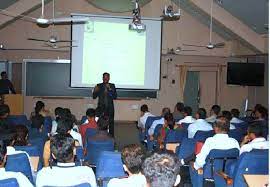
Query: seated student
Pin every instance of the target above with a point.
(261, 113)
(214, 112)
(161, 169)
(39, 110)
(58, 113)
(228, 116)
(168, 126)
(132, 157)
(65, 173)
(91, 114)
(102, 133)
(72, 117)
(200, 124)
(178, 111)
(37, 123)
(187, 112)
(4, 112)
(64, 127)
(21, 138)
(21, 179)
(151, 130)
(220, 140)
(235, 116)
(254, 138)
(74, 131)
(10, 143)
(144, 115)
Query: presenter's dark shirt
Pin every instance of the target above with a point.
(5, 86)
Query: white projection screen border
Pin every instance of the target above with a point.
(105, 44)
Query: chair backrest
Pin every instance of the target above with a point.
(47, 124)
(150, 120)
(201, 136)
(84, 118)
(19, 163)
(94, 148)
(157, 130)
(186, 148)
(78, 185)
(18, 120)
(32, 150)
(109, 165)
(254, 162)
(242, 126)
(175, 136)
(237, 134)
(90, 132)
(79, 153)
(217, 160)
(185, 125)
(11, 182)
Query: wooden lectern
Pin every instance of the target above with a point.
(15, 103)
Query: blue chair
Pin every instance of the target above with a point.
(237, 134)
(11, 182)
(201, 136)
(84, 118)
(18, 120)
(23, 166)
(215, 161)
(175, 136)
(47, 124)
(78, 185)
(90, 132)
(254, 163)
(32, 150)
(150, 121)
(186, 148)
(185, 125)
(109, 165)
(241, 126)
(94, 148)
(153, 143)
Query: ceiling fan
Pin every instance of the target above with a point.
(45, 21)
(3, 48)
(210, 45)
(175, 51)
(53, 39)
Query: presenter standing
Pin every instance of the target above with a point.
(106, 93)
(5, 85)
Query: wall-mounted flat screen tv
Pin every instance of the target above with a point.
(245, 74)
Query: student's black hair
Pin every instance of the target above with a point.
(202, 113)
(235, 113)
(216, 109)
(4, 109)
(64, 125)
(62, 146)
(90, 112)
(256, 128)
(180, 106)
(103, 123)
(39, 106)
(144, 108)
(227, 115)
(187, 110)
(3, 73)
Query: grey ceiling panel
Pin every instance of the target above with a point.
(6, 3)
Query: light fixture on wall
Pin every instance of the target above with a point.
(137, 24)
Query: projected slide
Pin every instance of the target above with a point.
(105, 44)
(111, 47)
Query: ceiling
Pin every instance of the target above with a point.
(253, 13)
(6, 3)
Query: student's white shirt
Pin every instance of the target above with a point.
(187, 119)
(21, 179)
(211, 119)
(65, 174)
(137, 180)
(198, 125)
(12, 151)
(236, 120)
(218, 141)
(142, 119)
(151, 130)
(54, 127)
(257, 143)
(76, 136)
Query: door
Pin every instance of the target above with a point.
(191, 92)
